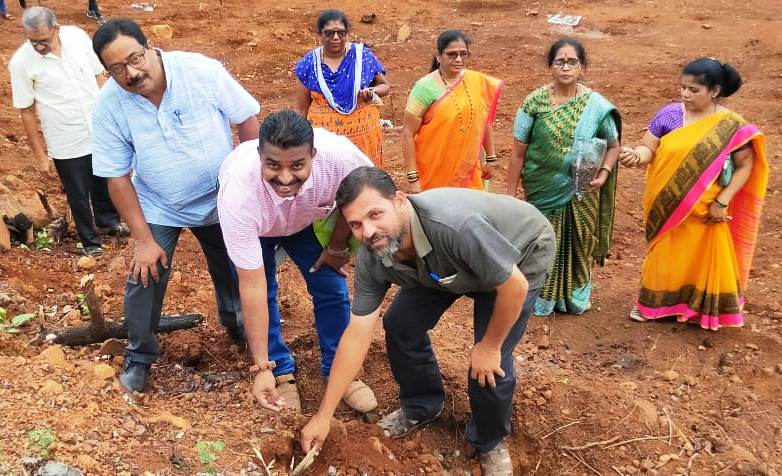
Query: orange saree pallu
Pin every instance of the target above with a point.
(449, 143)
(694, 270)
(362, 126)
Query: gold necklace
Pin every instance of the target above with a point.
(557, 131)
(448, 87)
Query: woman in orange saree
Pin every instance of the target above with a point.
(705, 186)
(447, 139)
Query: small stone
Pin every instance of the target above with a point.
(55, 468)
(176, 277)
(104, 371)
(543, 342)
(691, 381)
(735, 379)
(547, 394)
(204, 295)
(86, 262)
(117, 263)
(5, 300)
(751, 346)
(670, 375)
(540, 401)
(647, 464)
(706, 26)
(87, 462)
(50, 387)
(768, 370)
(630, 386)
(54, 356)
(112, 347)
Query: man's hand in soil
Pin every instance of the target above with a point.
(44, 164)
(265, 390)
(145, 259)
(315, 432)
(485, 361)
(337, 263)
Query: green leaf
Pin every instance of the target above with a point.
(3, 314)
(21, 319)
(219, 446)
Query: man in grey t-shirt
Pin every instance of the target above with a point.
(437, 246)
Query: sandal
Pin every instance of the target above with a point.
(497, 462)
(635, 315)
(286, 388)
(360, 397)
(397, 425)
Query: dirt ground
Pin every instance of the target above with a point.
(597, 394)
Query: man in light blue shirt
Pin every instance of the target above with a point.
(164, 118)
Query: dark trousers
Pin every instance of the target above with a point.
(329, 291)
(143, 305)
(415, 311)
(88, 197)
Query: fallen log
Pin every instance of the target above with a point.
(99, 329)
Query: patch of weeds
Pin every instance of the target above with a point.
(81, 301)
(207, 453)
(16, 322)
(43, 241)
(40, 440)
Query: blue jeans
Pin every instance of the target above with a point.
(329, 291)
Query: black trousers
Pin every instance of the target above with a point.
(415, 311)
(88, 197)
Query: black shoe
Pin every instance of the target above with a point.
(134, 376)
(94, 251)
(236, 334)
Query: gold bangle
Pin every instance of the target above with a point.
(607, 169)
(490, 158)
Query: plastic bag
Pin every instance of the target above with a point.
(587, 159)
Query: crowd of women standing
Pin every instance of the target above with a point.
(706, 168)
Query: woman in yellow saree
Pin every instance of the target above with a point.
(706, 181)
(447, 122)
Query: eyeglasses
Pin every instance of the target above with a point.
(45, 43)
(560, 63)
(330, 33)
(136, 60)
(452, 55)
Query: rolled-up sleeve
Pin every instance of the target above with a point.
(112, 152)
(236, 104)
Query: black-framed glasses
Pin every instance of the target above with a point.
(571, 62)
(136, 60)
(452, 55)
(45, 43)
(342, 34)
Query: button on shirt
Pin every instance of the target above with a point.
(466, 241)
(250, 208)
(63, 90)
(175, 150)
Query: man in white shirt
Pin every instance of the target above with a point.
(55, 72)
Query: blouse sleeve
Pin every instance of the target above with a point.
(303, 69)
(420, 98)
(372, 64)
(665, 120)
(522, 126)
(608, 130)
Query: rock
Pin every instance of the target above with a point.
(647, 464)
(86, 262)
(751, 346)
(73, 316)
(404, 33)
(540, 401)
(5, 300)
(55, 468)
(204, 295)
(706, 26)
(547, 394)
(50, 387)
(691, 381)
(176, 277)
(630, 386)
(112, 347)
(648, 412)
(163, 31)
(54, 356)
(88, 463)
(117, 263)
(104, 371)
(735, 379)
(768, 370)
(544, 342)
(670, 375)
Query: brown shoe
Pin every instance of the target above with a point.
(497, 462)
(359, 397)
(286, 388)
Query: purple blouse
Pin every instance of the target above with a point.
(667, 119)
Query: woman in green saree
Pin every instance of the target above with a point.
(549, 124)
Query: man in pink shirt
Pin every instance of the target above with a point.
(272, 192)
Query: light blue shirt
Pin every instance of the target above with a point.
(175, 150)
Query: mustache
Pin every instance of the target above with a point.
(134, 81)
(291, 183)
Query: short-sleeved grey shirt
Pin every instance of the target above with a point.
(466, 241)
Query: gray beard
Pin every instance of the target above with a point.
(387, 252)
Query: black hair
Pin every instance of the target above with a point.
(110, 30)
(711, 73)
(331, 15)
(446, 38)
(285, 129)
(362, 177)
(562, 42)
